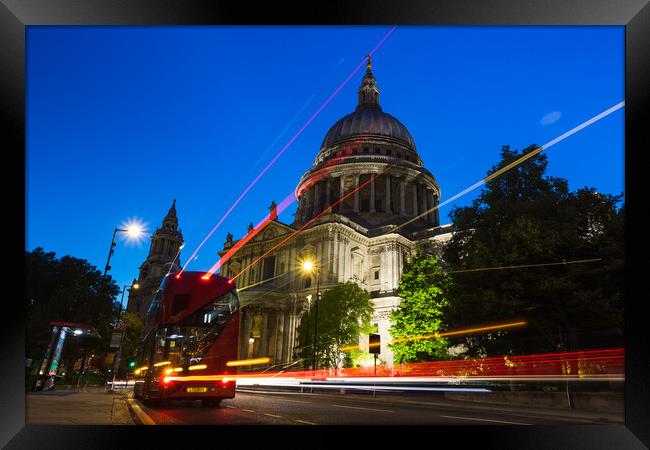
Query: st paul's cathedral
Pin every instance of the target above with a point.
(352, 241)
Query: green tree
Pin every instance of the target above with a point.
(69, 290)
(344, 312)
(423, 288)
(523, 217)
(131, 339)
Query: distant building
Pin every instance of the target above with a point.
(163, 253)
(352, 242)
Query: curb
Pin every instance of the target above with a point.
(139, 416)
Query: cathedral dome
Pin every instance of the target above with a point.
(367, 122)
(368, 171)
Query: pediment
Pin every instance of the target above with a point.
(271, 231)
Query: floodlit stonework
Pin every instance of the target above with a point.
(356, 240)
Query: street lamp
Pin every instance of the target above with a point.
(309, 267)
(118, 354)
(133, 231)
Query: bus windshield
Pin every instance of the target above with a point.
(187, 342)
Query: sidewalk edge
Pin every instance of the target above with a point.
(139, 416)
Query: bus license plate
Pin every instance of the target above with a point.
(197, 389)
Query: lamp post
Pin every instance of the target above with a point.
(307, 334)
(133, 231)
(309, 267)
(118, 354)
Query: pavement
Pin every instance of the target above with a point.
(85, 406)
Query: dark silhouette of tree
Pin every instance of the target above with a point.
(522, 218)
(68, 290)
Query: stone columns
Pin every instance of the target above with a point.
(342, 192)
(431, 202)
(279, 336)
(387, 182)
(341, 259)
(356, 193)
(316, 202)
(382, 271)
(402, 197)
(436, 213)
(423, 201)
(372, 194)
(264, 334)
(273, 319)
(286, 347)
(415, 199)
(327, 192)
(248, 322)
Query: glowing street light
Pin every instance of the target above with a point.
(134, 231)
(309, 267)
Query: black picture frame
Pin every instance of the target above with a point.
(15, 15)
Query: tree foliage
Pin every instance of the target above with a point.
(344, 312)
(69, 290)
(131, 339)
(523, 217)
(423, 287)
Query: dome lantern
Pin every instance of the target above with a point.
(368, 92)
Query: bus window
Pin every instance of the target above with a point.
(159, 346)
(192, 337)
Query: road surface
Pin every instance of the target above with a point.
(295, 408)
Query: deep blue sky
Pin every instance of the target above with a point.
(121, 120)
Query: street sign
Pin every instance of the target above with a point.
(374, 343)
(115, 339)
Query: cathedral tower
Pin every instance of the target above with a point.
(164, 257)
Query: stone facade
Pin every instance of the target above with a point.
(351, 241)
(164, 257)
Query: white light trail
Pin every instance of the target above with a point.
(515, 163)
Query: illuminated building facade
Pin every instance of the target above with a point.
(163, 253)
(351, 242)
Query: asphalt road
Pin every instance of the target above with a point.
(294, 408)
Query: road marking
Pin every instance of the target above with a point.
(485, 420)
(367, 409)
(144, 417)
(295, 401)
(273, 415)
(304, 421)
(256, 391)
(247, 410)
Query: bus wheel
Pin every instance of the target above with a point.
(210, 402)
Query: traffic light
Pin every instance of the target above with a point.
(131, 364)
(374, 343)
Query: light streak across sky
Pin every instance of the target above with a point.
(295, 136)
(281, 133)
(284, 204)
(373, 178)
(521, 266)
(514, 163)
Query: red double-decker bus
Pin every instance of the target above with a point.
(191, 332)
